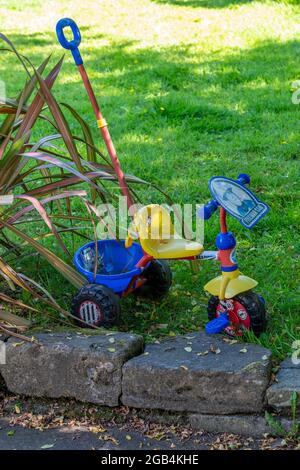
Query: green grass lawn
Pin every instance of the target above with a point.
(190, 89)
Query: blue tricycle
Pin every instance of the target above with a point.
(116, 268)
(125, 266)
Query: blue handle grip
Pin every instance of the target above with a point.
(243, 179)
(208, 209)
(74, 43)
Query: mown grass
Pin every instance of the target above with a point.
(190, 89)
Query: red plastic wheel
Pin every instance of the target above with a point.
(238, 315)
(246, 311)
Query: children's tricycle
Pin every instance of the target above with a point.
(126, 266)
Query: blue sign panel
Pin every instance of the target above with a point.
(238, 200)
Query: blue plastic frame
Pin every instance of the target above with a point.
(117, 282)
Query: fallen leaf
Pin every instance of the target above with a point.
(111, 350)
(128, 437)
(17, 409)
(204, 353)
(156, 435)
(111, 340)
(229, 341)
(214, 350)
(11, 433)
(107, 437)
(184, 367)
(244, 350)
(47, 446)
(188, 349)
(96, 429)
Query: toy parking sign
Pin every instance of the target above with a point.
(238, 200)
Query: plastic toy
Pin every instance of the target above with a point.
(125, 266)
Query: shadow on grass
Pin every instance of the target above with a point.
(203, 3)
(145, 91)
(239, 103)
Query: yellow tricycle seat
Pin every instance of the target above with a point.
(157, 236)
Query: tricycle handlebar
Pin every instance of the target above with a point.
(208, 209)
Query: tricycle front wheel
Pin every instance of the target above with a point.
(96, 305)
(247, 311)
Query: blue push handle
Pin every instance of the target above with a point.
(208, 209)
(74, 43)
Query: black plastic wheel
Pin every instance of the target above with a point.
(253, 304)
(212, 306)
(158, 277)
(97, 305)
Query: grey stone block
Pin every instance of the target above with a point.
(289, 364)
(177, 375)
(243, 425)
(87, 368)
(287, 381)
